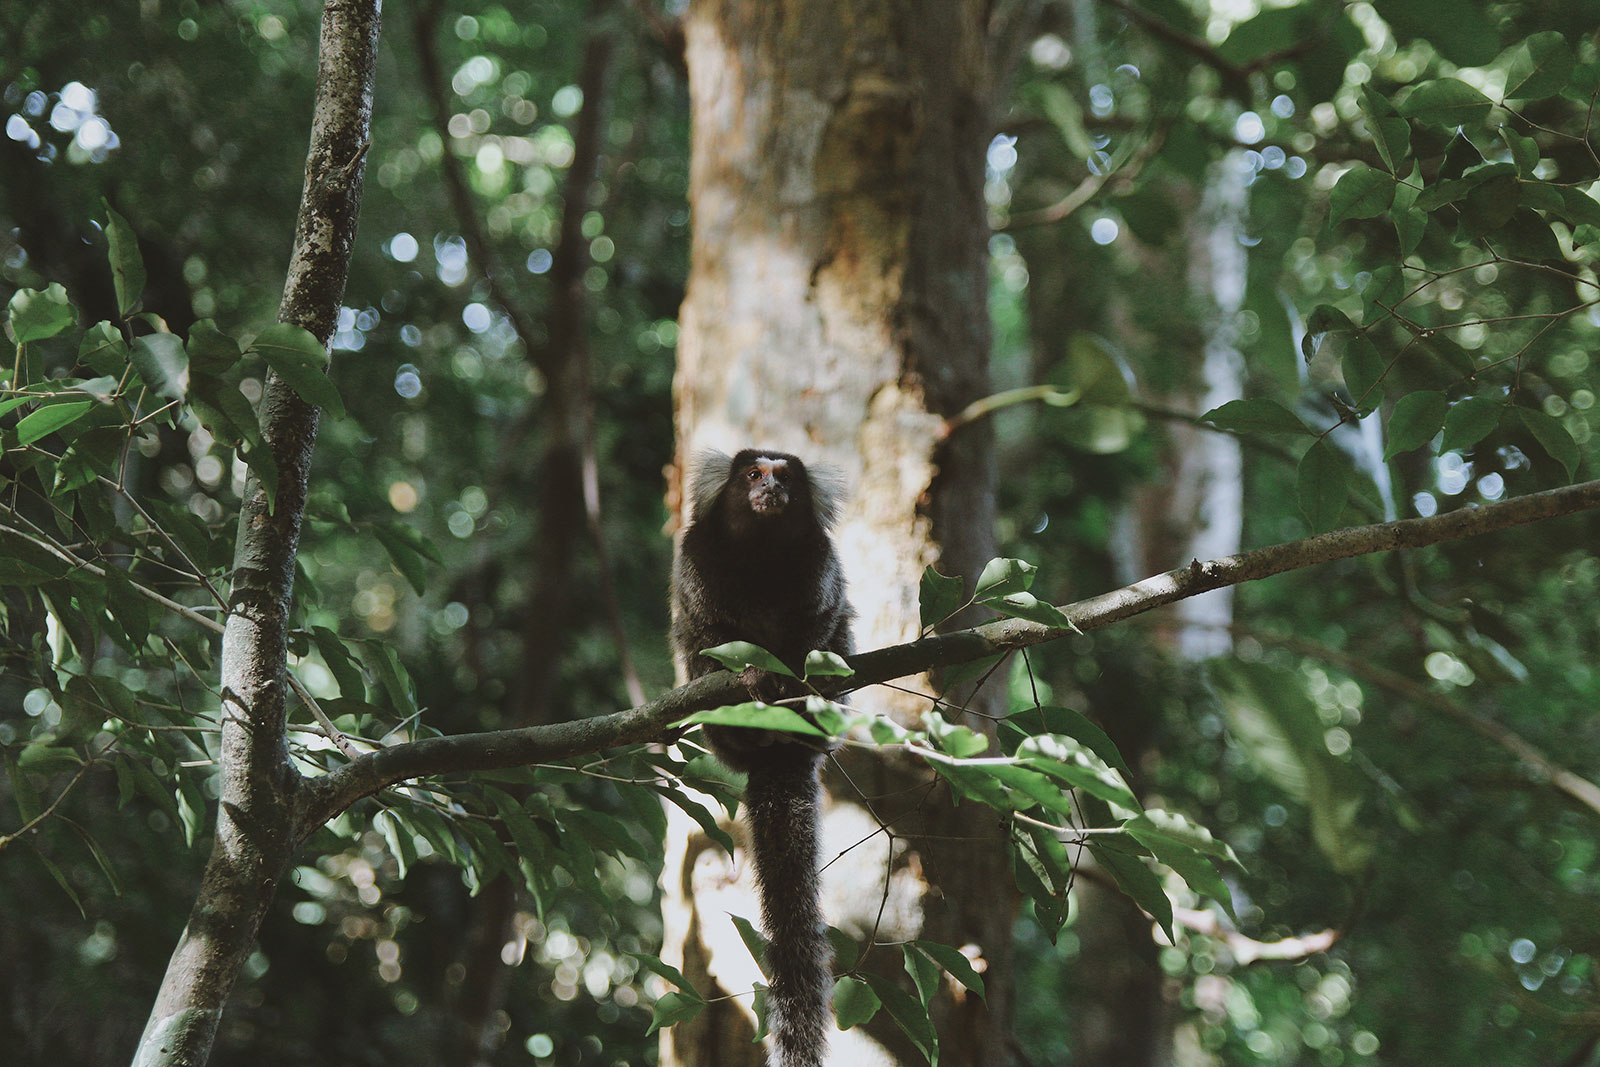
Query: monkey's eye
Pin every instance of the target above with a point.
(754, 474)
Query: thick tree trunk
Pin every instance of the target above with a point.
(258, 823)
(837, 309)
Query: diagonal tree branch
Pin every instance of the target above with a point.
(511, 748)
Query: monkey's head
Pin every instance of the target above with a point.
(761, 491)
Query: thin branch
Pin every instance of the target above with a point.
(133, 502)
(1572, 784)
(39, 819)
(340, 741)
(99, 572)
(1246, 950)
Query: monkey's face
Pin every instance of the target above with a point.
(767, 483)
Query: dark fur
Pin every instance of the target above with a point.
(757, 564)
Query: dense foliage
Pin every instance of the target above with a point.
(1415, 313)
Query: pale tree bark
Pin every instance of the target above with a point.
(258, 823)
(837, 309)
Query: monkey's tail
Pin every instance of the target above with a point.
(784, 802)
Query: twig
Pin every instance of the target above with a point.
(99, 572)
(340, 741)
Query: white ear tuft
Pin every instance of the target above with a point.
(827, 493)
(708, 473)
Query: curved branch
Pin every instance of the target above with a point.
(333, 793)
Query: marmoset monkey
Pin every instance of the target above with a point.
(757, 564)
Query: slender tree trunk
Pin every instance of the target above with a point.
(258, 824)
(837, 309)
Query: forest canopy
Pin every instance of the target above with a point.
(338, 486)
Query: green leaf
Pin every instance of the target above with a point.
(42, 755)
(1449, 353)
(829, 717)
(1049, 906)
(939, 598)
(1325, 318)
(1384, 290)
(854, 1002)
(407, 549)
(910, 1016)
(1553, 437)
(1155, 828)
(1322, 486)
(101, 860)
(1447, 102)
(1580, 206)
(1094, 371)
(1414, 421)
(1364, 370)
(1465, 33)
(977, 783)
(341, 663)
(302, 361)
(210, 350)
(533, 851)
(103, 350)
(1470, 421)
(61, 880)
(1194, 869)
(655, 965)
(162, 363)
(698, 812)
(821, 664)
(960, 741)
(1538, 67)
(1032, 786)
(223, 410)
(756, 716)
(955, 964)
(754, 942)
(1277, 724)
(1524, 151)
(23, 793)
(1027, 606)
(401, 846)
(1409, 226)
(1067, 759)
(1361, 193)
(1391, 135)
(924, 974)
(673, 1008)
(37, 314)
(1527, 236)
(737, 655)
(1033, 722)
(49, 419)
(1002, 577)
(1256, 415)
(1490, 205)
(384, 662)
(127, 266)
(1138, 882)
